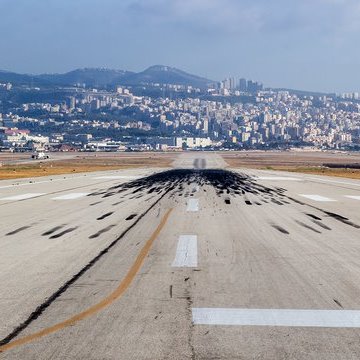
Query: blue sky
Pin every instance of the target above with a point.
(303, 44)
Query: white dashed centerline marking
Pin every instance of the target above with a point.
(186, 252)
(193, 205)
(316, 197)
(275, 317)
(354, 197)
(22, 196)
(71, 196)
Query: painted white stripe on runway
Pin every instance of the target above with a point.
(71, 196)
(116, 177)
(22, 196)
(335, 181)
(355, 197)
(280, 178)
(316, 197)
(275, 317)
(186, 252)
(34, 182)
(193, 205)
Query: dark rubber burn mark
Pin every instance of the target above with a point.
(338, 303)
(297, 201)
(104, 216)
(51, 231)
(279, 228)
(94, 236)
(56, 236)
(337, 217)
(313, 216)
(95, 203)
(307, 227)
(42, 307)
(223, 182)
(17, 230)
(342, 219)
(319, 223)
(276, 202)
(130, 217)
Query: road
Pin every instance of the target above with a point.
(191, 263)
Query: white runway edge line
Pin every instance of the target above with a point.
(22, 196)
(316, 197)
(274, 317)
(71, 196)
(354, 197)
(192, 205)
(186, 252)
(34, 182)
(279, 178)
(116, 177)
(335, 181)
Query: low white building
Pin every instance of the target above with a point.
(193, 142)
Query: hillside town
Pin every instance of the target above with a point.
(228, 115)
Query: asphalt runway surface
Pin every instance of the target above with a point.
(196, 262)
(26, 158)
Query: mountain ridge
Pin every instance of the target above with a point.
(105, 77)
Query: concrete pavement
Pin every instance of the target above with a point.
(166, 268)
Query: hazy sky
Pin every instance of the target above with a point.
(304, 44)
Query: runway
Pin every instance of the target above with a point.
(196, 262)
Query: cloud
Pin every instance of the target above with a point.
(225, 15)
(264, 39)
(247, 16)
